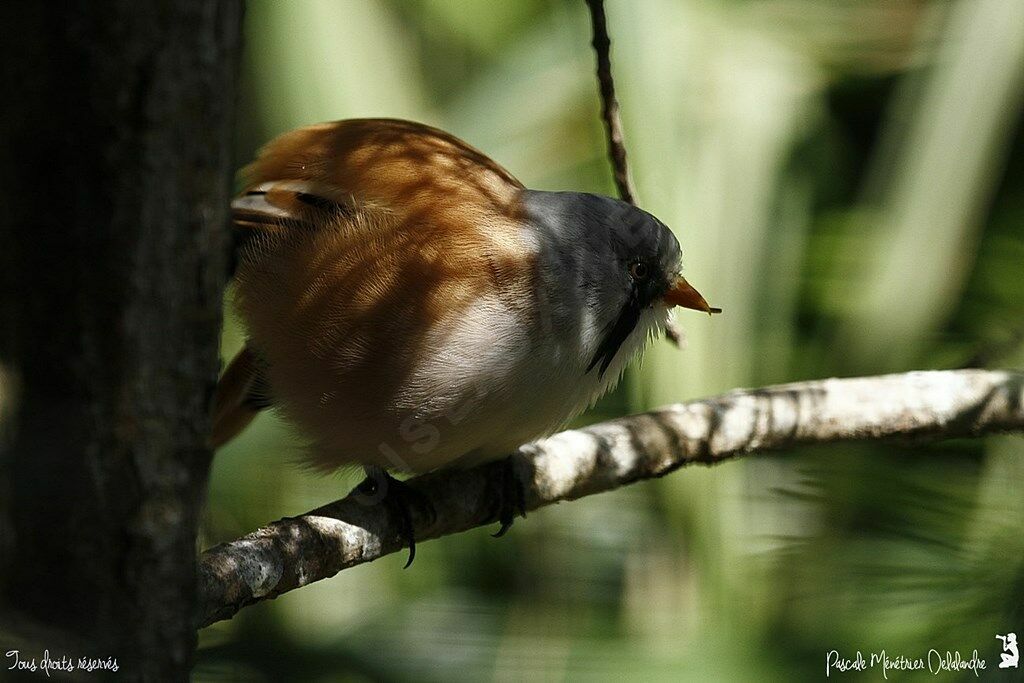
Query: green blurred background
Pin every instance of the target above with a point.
(846, 178)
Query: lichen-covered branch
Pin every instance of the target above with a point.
(297, 551)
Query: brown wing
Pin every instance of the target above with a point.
(414, 171)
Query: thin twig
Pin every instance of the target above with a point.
(609, 105)
(297, 551)
(613, 123)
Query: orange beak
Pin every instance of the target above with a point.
(681, 293)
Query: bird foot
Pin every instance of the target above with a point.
(511, 497)
(398, 498)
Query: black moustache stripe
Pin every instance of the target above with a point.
(620, 331)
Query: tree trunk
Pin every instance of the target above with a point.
(114, 183)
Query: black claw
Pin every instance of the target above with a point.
(398, 497)
(511, 498)
(505, 526)
(406, 530)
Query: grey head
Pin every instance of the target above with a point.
(608, 258)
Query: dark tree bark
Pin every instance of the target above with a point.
(114, 184)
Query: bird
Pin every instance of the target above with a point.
(411, 306)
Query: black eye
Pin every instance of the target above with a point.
(638, 270)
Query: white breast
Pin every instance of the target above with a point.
(495, 383)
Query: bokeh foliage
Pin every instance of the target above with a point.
(847, 181)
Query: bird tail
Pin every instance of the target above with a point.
(237, 399)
